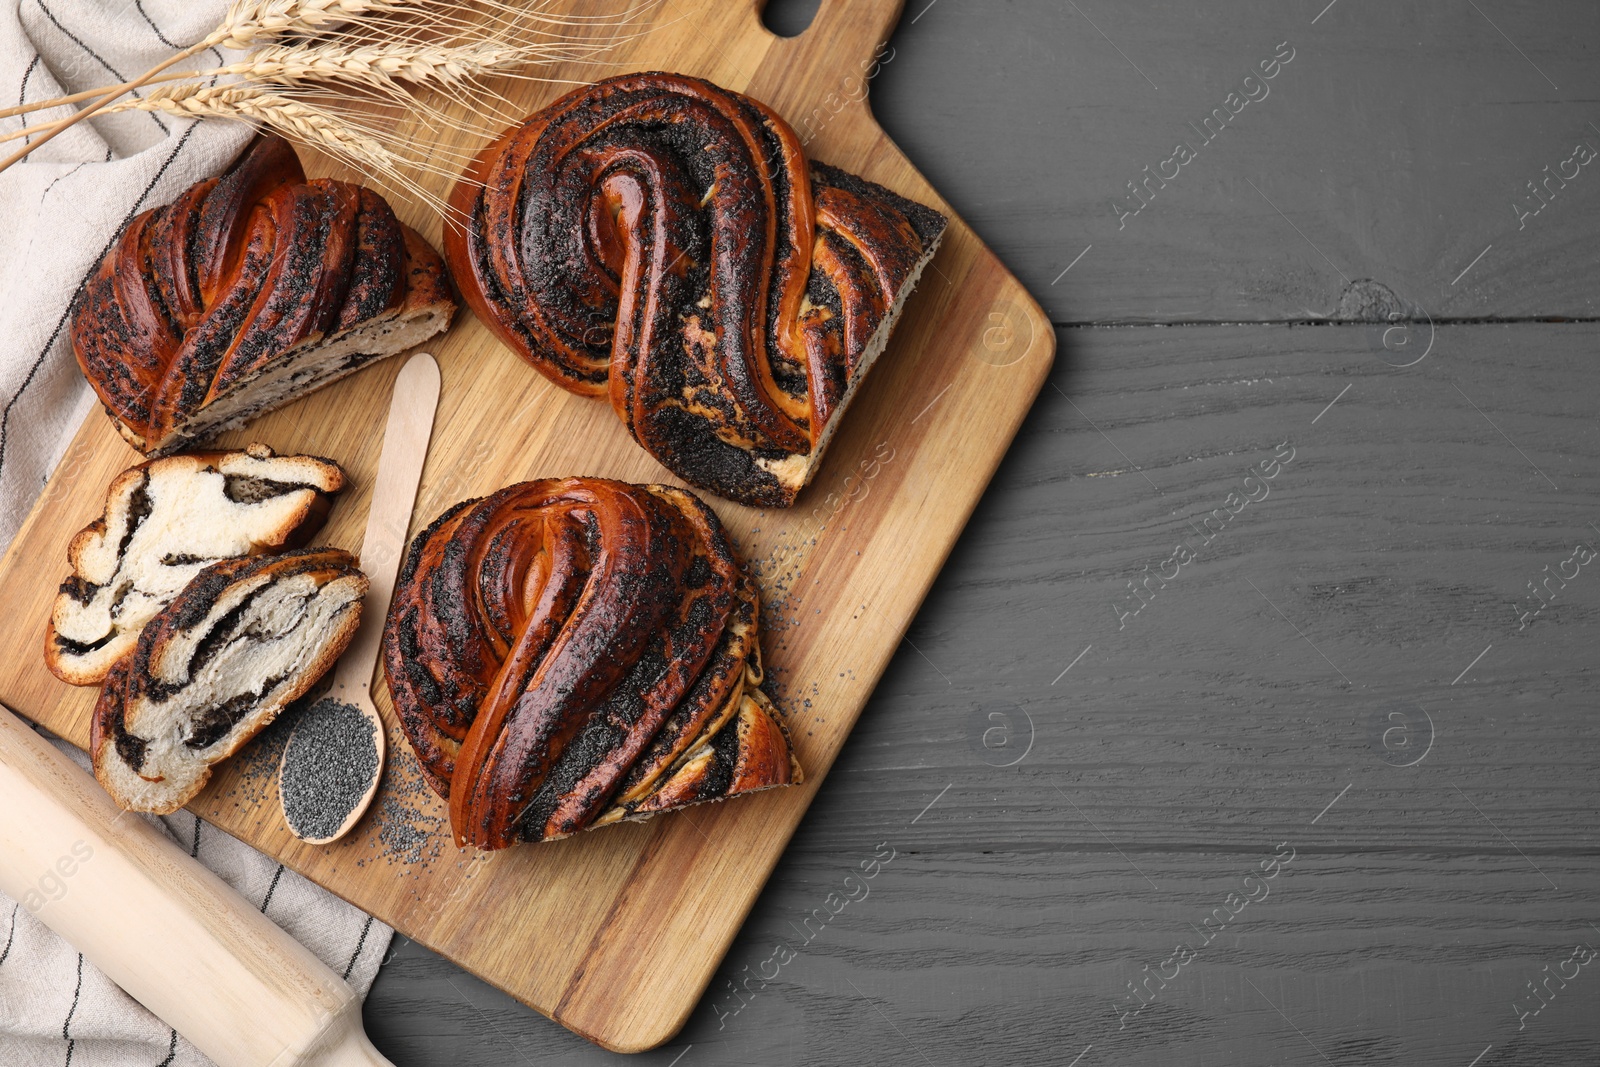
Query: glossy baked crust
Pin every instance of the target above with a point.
(249, 291)
(571, 653)
(664, 242)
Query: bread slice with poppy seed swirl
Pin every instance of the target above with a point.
(245, 638)
(663, 242)
(565, 654)
(164, 521)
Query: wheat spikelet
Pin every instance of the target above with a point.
(387, 67)
(294, 119)
(317, 70)
(249, 22)
(379, 65)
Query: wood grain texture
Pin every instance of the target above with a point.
(1396, 142)
(615, 934)
(1184, 747)
(1023, 957)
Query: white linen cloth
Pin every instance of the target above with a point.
(60, 209)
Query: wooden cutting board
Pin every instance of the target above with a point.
(616, 933)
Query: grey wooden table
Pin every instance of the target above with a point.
(1252, 720)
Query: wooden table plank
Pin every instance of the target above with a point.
(1394, 143)
(1025, 957)
(1397, 545)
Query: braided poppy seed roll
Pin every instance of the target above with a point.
(571, 653)
(664, 242)
(249, 291)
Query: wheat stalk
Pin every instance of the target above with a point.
(292, 118)
(367, 148)
(250, 22)
(385, 69)
(376, 65)
(246, 21)
(388, 49)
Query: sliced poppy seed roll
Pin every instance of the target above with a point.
(165, 521)
(245, 638)
(247, 292)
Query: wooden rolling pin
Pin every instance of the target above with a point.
(162, 926)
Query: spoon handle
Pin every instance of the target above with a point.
(394, 495)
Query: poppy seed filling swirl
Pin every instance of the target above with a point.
(568, 653)
(665, 243)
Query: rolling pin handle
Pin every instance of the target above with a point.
(344, 1044)
(157, 922)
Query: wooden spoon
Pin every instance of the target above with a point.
(334, 759)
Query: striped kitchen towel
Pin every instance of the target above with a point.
(60, 209)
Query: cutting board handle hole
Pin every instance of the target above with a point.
(789, 18)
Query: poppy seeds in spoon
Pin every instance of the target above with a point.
(329, 764)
